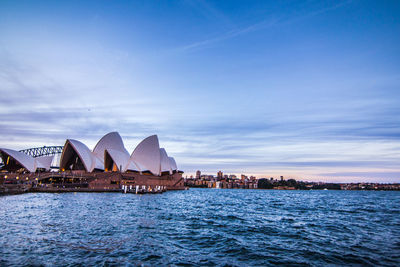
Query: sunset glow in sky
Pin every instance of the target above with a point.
(304, 89)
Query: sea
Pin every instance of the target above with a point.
(201, 227)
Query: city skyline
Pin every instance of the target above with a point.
(309, 90)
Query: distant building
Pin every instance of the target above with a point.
(220, 174)
(198, 174)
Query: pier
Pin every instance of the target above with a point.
(143, 189)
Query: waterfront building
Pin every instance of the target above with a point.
(198, 174)
(109, 155)
(107, 167)
(15, 161)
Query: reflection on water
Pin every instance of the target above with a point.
(202, 227)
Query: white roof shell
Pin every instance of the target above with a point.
(132, 166)
(26, 161)
(146, 155)
(44, 162)
(110, 141)
(120, 158)
(165, 165)
(173, 164)
(83, 152)
(98, 163)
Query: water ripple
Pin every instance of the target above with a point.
(202, 227)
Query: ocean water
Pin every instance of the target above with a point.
(201, 227)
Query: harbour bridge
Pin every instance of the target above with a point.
(43, 151)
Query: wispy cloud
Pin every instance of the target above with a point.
(209, 11)
(262, 25)
(229, 35)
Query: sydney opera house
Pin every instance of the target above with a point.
(109, 166)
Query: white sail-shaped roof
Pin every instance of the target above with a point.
(83, 152)
(98, 163)
(109, 153)
(147, 155)
(132, 166)
(44, 162)
(110, 141)
(26, 161)
(165, 165)
(173, 164)
(120, 158)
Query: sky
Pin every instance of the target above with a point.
(304, 89)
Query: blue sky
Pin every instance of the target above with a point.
(306, 89)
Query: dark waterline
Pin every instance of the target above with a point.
(202, 227)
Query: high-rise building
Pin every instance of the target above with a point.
(198, 174)
(220, 174)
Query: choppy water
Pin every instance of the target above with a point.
(202, 227)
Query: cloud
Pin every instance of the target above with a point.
(210, 12)
(363, 176)
(370, 174)
(229, 35)
(261, 25)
